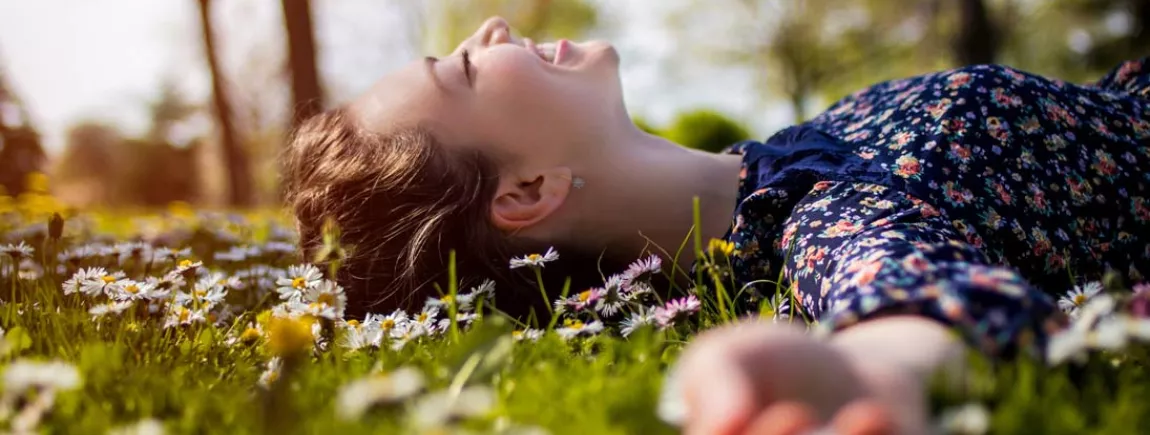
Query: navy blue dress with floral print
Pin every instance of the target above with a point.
(970, 196)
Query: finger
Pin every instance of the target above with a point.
(720, 399)
(783, 418)
(864, 417)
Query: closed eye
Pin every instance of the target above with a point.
(467, 66)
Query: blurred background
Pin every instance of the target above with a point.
(115, 103)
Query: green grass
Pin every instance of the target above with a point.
(192, 380)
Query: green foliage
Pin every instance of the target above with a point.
(706, 130)
(541, 20)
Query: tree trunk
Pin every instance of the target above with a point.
(307, 95)
(235, 160)
(977, 39)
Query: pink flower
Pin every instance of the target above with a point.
(675, 310)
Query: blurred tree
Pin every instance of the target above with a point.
(977, 41)
(1079, 40)
(540, 20)
(646, 126)
(240, 191)
(706, 130)
(307, 95)
(20, 150)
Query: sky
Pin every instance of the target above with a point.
(77, 60)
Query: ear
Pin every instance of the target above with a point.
(525, 199)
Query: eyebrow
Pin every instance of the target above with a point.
(429, 66)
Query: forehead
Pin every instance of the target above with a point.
(405, 97)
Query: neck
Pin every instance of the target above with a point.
(642, 198)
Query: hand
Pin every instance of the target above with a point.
(761, 378)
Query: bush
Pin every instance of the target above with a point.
(706, 130)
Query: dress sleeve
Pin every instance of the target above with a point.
(869, 251)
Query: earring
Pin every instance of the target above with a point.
(577, 182)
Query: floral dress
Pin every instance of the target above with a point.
(969, 196)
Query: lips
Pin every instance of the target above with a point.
(551, 52)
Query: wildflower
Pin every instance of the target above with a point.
(237, 254)
(485, 291)
(535, 260)
(639, 318)
(299, 278)
(1142, 288)
(22, 375)
(179, 315)
(279, 248)
(527, 334)
(101, 310)
(396, 319)
(614, 296)
(165, 254)
(129, 290)
(1077, 296)
(777, 308)
(440, 408)
(407, 333)
(425, 319)
(76, 282)
(1094, 309)
(288, 336)
(676, 309)
(130, 250)
(642, 271)
(328, 297)
(250, 335)
(356, 397)
(272, 373)
(187, 268)
(204, 294)
(360, 335)
(586, 299)
(969, 419)
(461, 301)
(29, 270)
(719, 246)
(162, 287)
(573, 328)
(461, 319)
(103, 283)
(17, 252)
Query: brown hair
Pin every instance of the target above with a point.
(402, 202)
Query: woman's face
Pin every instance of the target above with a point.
(540, 103)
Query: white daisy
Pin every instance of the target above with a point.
(279, 248)
(614, 296)
(485, 291)
(639, 318)
(105, 283)
(100, 310)
(17, 251)
(76, 282)
(23, 375)
(356, 397)
(360, 335)
(572, 328)
(675, 310)
(535, 260)
(179, 315)
(441, 407)
(585, 300)
(642, 271)
(205, 294)
(327, 294)
(528, 334)
(272, 373)
(299, 278)
(187, 268)
(1078, 296)
(129, 290)
(462, 301)
(164, 286)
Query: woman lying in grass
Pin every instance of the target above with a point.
(952, 201)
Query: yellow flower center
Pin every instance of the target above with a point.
(108, 279)
(517, 334)
(1079, 299)
(199, 293)
(422, 317)
(534, 257)
(585, 295)
(447, 299)
(249, 335)
(186, 263)
(387, 324)
(184, 314)
(326, 299)
(573, 324)
(353, 323)
(298, 282)
(132, 289)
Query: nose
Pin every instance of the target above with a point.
(494, 31)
